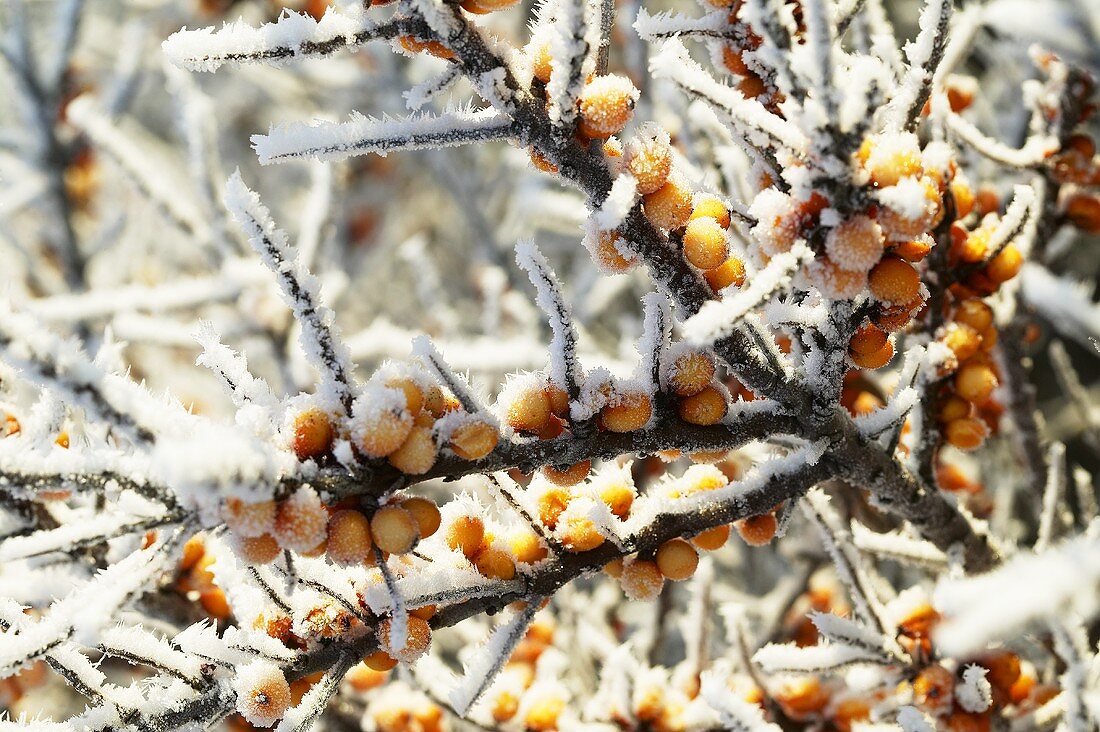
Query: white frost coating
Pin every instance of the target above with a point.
(669, 24)
(907, 198)
(233, 367)
(919, 55)
(144, 172)
(912, 719)
(1063, 302)
(137, 642)
(620, 199)
(250, 680)
(362, 135)
(787, 658)
(488, 659)
(300, 290)
(293, 34)
(974, 694)
(718, 318)
(1016, 218)
(565, 367)
(1060, 581)
(892, 414)
(898, 546)
(750, 118)
(571, 64)
(1034, 151)
(736, 713)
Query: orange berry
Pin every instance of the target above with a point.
(976, 314)
(526, 547)
(669, 207)
(349, 539)
(1083, 209)
(641, 579)
(262, 549)
(1006, 265)
(250, 519)
(835, 282)
(394, 530)
(581, 535)
(856, 244)
(301, 521)
(867, 340)
(542, 715)
(619, 497)
(380, 661)
(712, 539)
(705, 243)
(730, 272)
(425, 513)
(758, 530)
(414, 395)
(417, 639)
(608, 256)
(529, 409)
(933, 688)
(803, 697)
(417, 453)
(313, 434)
(439, 402)
(606, 104)
(973, 247)
(551, 504)
(874, 360)
(614, 568)
(569, 476)
(708, 205)
(914, 250)
(434, 48)
(963, 340)
(966, 433)
(649, 158)
(495, 564)
(954, 407)
(474, 440)
(691, 373)
(629, 413)
(893, 157)
(263, 694)
(964, 197)
(466, 534)
(559, 400)
(540, 61)
(894, 280)
(705, 408)
(384, 432)
(677, 559)
(480, 7)
(975, 382)
(363, 678)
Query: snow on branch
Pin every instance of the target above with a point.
(923, 55)
(670, 25)
(293, 35)
(1035, 150)
(489, 658)
(565, 367)
(425, 350)
(365, 135)
(749, 118)
(717, 319)
(319, 339)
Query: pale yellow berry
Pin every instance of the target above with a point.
(581, 535)
(394, 530)
(529, 410)
(705, 408)
(677, 559)
(495, 564)
(262, 549)
(474, 440)
(263, 694)
(856, 244)
(418, 638)
(385, 432)
(649, 158)
(425, 513)
(730, 272)
(417, 453)
(609, 257)
(250, 519)
(669, 207)
(313, 434)
(641, 579)
(691, 373)
(705, 243)
(349, 539)
(569, 476)
(629, 413)
(466, 534)
(301, 521)
(606, 104)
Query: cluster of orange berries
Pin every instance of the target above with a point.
(398, 424)
(402, 709)
(492, 558)
(1078, 165)
(516, 692)
(750, 82)
(13, 688)
(966, 409)
(303, 524)
(414, 45)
